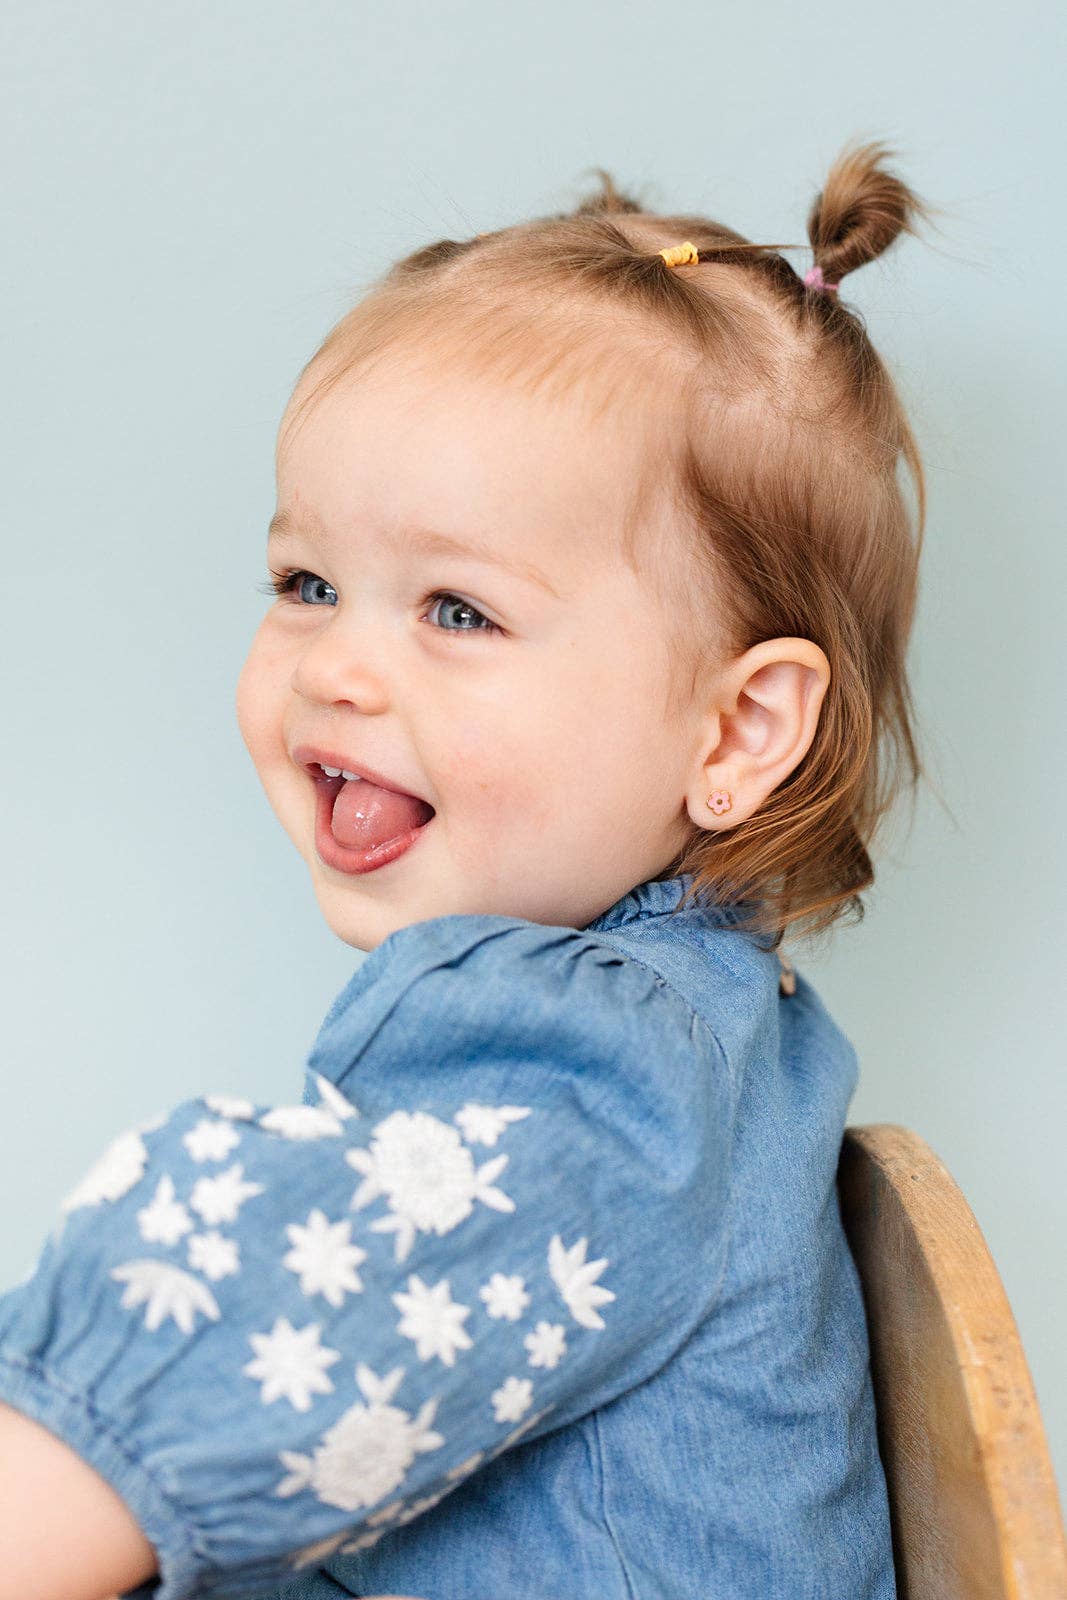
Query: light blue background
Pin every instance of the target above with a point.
(194, 193)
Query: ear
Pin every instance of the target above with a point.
(766, 710)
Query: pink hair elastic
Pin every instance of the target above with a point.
(815, 280)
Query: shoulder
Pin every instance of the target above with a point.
(499, 962)
(478, 986)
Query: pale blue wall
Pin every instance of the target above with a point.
(193, 194)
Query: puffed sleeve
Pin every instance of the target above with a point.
(503, 1201)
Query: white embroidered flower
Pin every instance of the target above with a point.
(219, 1199)
(299, 1468)
(325, 1257)
(213, 1254)
(165, 1219)
(313, 1554)
(230, 1105)
(290, 1362)
(512, 1399)
(574, 1278)
(168, 1291)
(433, 1320)
(466, 1466)
(332, 1098)
(427, 1175)
(302, 1122)
(546, 1344)
(484, 1124)
(367, 1452)
(211, 1140)
(112, 1175)
(504, 1297)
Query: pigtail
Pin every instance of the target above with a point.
(861, 209)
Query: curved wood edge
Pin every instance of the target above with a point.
(1015, 1458)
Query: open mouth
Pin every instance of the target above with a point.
(359, 825)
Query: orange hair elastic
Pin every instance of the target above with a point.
(680, 255)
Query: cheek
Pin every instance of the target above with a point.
(477, 763)
(257, 695)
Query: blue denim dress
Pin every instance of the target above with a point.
(541, 1291)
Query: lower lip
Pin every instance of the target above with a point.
(339, 856)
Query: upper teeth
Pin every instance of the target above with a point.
(339, 772)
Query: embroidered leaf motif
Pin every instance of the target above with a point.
(467, 1466)
(427, 1175)
(299, 1473)
(112, 1175)
(379, 1391)
(484, 1124)
(165, 1220)
(574, 1278)
(332, 1098)
(302, 1122)
(290, 1362)
(231, 1105)
(417, 1507)
(325, 1257)
(488, 1195)
(433, 1320)
(315, 1554)
(364, 1542)
(168, 1291)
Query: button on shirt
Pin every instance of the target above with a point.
(541, 1291)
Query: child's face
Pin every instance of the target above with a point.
(544, 747)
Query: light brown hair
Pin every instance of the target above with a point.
(777, 436)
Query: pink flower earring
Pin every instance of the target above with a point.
(719, 800)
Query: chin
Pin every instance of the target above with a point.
(348, 922)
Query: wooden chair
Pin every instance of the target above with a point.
(973, 1502)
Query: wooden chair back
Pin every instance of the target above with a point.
(973, 1501)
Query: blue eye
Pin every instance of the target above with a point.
(284, 583)
(295, 581)
(443, 597)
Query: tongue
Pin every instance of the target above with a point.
(365, 815)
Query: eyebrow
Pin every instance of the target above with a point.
(426, 541)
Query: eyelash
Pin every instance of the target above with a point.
(283, 583)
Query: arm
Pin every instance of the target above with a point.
(64, 1532)
(282, 1332)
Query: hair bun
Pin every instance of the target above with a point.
(861, 209)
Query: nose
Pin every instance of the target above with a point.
(333, 667)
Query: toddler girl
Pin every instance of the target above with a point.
(582, 684)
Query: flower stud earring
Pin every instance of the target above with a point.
(719, 800)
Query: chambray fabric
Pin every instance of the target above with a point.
(541, 1291)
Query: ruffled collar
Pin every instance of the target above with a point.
(655, 898)
(649, 899)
